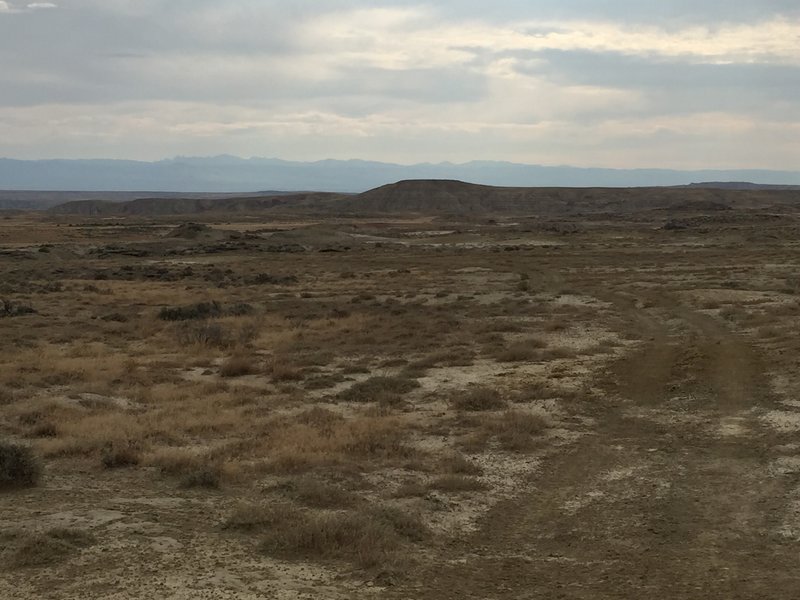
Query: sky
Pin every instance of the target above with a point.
(603, 83)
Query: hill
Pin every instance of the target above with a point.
(190, 206)
(457, 197)
(448, 197)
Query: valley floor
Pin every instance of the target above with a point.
(405, 408)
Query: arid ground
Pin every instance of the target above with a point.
(402, 407)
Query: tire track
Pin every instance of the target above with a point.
(655, 503)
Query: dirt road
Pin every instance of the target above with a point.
(672, 495)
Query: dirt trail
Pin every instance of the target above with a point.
(670, 496)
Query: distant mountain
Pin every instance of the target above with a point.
(232, 174)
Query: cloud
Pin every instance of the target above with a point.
(5, 7)
(522, 80)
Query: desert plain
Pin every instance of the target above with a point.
(488, 399)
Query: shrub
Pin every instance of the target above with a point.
(411, 489)
(202, 310)
(458, 464)
(18, 466)
(237, 366)
(378, 389)
(319, 494)
(192, 469)
(7, 395)
(119, 454)
(12, 309)
(453, 484)
(519, 431)
(521, 351)
(280, 370)
(43, 549)
(479, 399)
(209, 334)
(370, 539)
(202, 476)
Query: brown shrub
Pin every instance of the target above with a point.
(26, 550)
(519, 431)
(454, 484)
(280, 371)
(458, 464)
(479, 398)
(370, 539)
(379, 389)
(521, 351)
(238, 366)
(121, 453)
(18, 466)
(319, 494)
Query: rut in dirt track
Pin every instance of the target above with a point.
(669, 497)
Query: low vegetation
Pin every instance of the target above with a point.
(19, 467)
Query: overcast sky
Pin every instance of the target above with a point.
(614, 83)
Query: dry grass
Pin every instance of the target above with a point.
(313, 492)
(318, 439)
(22, 550)
(521, 351)
(380, 388)
(518, 431)
(336, 423)
(238, 366)
(456, 484)
(458, 464)
(478, 398)
(373, 539)
(19, 467)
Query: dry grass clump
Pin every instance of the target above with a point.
(556, 324)
(7, 395)
(518, 431)
(121, 453)
(19, 467)
(456, 357)
(512, 431)
(207, 333)
(203, 310)
(238, 366)
(411, 489)
(280, 370)
(92, 433)
(320, 439)
(379, 389)
(191, 468)
(315, 493)
(29, 550)
(562, 352)
(456, 463)
(372, 539)
(520, 351)
(455, 484)
(479, 398)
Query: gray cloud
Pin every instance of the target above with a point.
(536, 80)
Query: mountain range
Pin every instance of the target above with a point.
(232, 174)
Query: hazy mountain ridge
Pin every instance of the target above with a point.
(233, 174)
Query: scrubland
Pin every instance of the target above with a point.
(410, 407)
